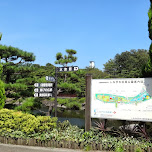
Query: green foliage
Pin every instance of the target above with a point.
(138, 149)
(82, 100)
(17, 134)
(16, 68)
(66, 59)
(96, 73)
(1, 69)
(29, 104)
(2, 95)
(74, 84)
(87, 148)
(46, 123)
(11, 121)
(9, 54)
(119, 149)
(69, 87)
(15, 90)
(63, 101)
(71, 103)
(150, 22)
(17, 124)
(127, 64)
(15, 86)
(147, 69)
(63, 125)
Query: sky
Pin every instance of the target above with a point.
(96, 29)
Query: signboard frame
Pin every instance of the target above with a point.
(129, 105)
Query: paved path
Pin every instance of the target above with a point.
(18, 148)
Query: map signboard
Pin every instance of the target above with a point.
(123, 99)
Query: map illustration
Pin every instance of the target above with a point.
(110, 98)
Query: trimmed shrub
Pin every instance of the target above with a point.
(2, 95)
(11, 121)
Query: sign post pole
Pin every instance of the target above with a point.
(88, 103)
(55, 105)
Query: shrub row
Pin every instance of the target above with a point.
(20, 125)
(11, 121)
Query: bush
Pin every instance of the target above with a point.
(63, 125)
(71, 103)
(2, 95)
(29, 104)
(11, 121)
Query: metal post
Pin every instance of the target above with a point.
(88, 103)
(55, 105)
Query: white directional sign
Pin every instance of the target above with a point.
(49, 78)
(43, 95)
(43, 90)
(43, 84)
(67, 69)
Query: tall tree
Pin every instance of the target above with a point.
(14, 68)
(127, 64)
(13, 59)
(65, 60)
(147, 70)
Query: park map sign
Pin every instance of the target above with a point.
(123, 99)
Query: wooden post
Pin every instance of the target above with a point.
(88, 103)
(55, 92)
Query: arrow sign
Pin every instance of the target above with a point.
(43, 95)
(67, 69)
(49, 78)
(43, 84)
(43, 90)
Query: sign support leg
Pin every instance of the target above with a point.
(55, 105)
(88, 103)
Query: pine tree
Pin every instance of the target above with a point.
(15, 67)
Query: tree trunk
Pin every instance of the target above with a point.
(65, 77)
(50, 108)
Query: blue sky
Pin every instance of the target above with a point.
(96, 29)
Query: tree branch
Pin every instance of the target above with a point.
(59, 91)
(41, 111)
(20, 61)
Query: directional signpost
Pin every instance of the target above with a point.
(43, 90)
(47, 90)
(61, 69)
